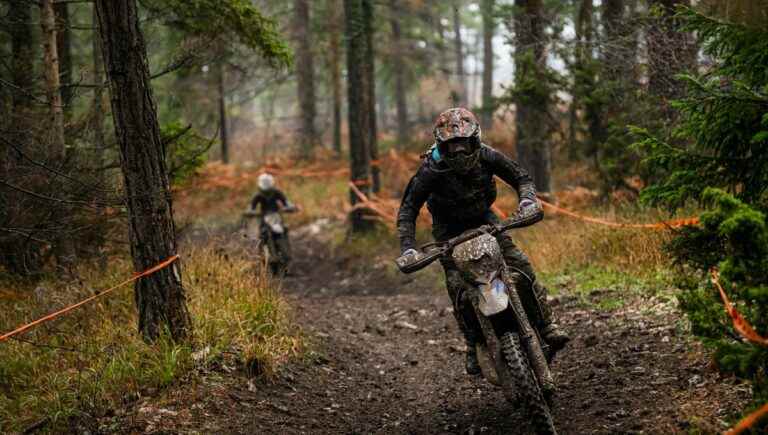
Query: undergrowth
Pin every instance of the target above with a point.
(92, 360)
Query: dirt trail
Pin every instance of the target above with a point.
(388, 359)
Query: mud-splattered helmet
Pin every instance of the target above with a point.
(457, 135)
(266, 182)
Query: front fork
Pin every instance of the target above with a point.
(533, 346)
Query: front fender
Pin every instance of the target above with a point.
(493, 297)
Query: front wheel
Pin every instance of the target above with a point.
(520, 385)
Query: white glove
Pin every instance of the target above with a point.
(526, 203)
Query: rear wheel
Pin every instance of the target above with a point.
(520, 385)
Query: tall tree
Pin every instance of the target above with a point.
(335, 27)
(160, 297)
(223, 132)
(489, 28)
(64, 50)
(440, 46)
(98, 96)
(671, 50)
(458, 47)
(614, 47)
(583, 71)
(532, 95)
(18, 257)
(358, 119)
(370, 93)
(23, 43)
(52, 83)
(399, 71)
(305, 75)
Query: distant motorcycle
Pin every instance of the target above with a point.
(515, 356)
(274, 243)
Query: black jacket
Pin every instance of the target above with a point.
(270, 201)
(458, 199)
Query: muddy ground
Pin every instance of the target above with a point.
(385, 357)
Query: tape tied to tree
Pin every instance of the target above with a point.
(162, 265)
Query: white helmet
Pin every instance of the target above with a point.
(266, 182)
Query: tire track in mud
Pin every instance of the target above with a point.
(387, 358)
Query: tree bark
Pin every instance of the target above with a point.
(533, 102)
(18, 256)
(670, 52)
(615, 44)
(441, 50)
(23, 43)
(370, 94)
(583, 75)
(359, 154)
(461, 97)
(160, 297)
(336, 29)
(223, 132)
(98, 97)
(399, 71)
(64, 49)
(305, 78)
(52, 83)
(489, 28)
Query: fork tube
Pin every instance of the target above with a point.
(529, 337)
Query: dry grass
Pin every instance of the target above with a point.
(93, 360)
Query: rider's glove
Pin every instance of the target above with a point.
(526, 205)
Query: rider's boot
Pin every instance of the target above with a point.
(556, 337)
(473, 365)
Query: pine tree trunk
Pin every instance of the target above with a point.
(98, 97)
(18, 256)
(398, 69)
(370, 94)
(359, 154)
(489, 27)
(97, 126)
(583, 76)
(440, 45)
(223, 132)
(52, 84)
(458, 47)
(64, 49)
(160, 297)
(305, 78)
(334, 58)
(23, 43)
(531, 117)
(615, 43)
(670, 52)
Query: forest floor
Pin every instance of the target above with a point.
(385, 357)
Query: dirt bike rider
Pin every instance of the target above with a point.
(456, 181)
(270, 199)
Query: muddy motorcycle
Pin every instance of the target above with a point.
(512, 353)
(274, 243)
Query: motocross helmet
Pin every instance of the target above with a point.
(266, 182)
(457, 136)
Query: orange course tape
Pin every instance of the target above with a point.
(58, 313)
(675, 223)
(742, 326)
(748, 421)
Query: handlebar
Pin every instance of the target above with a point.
(430, 252)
